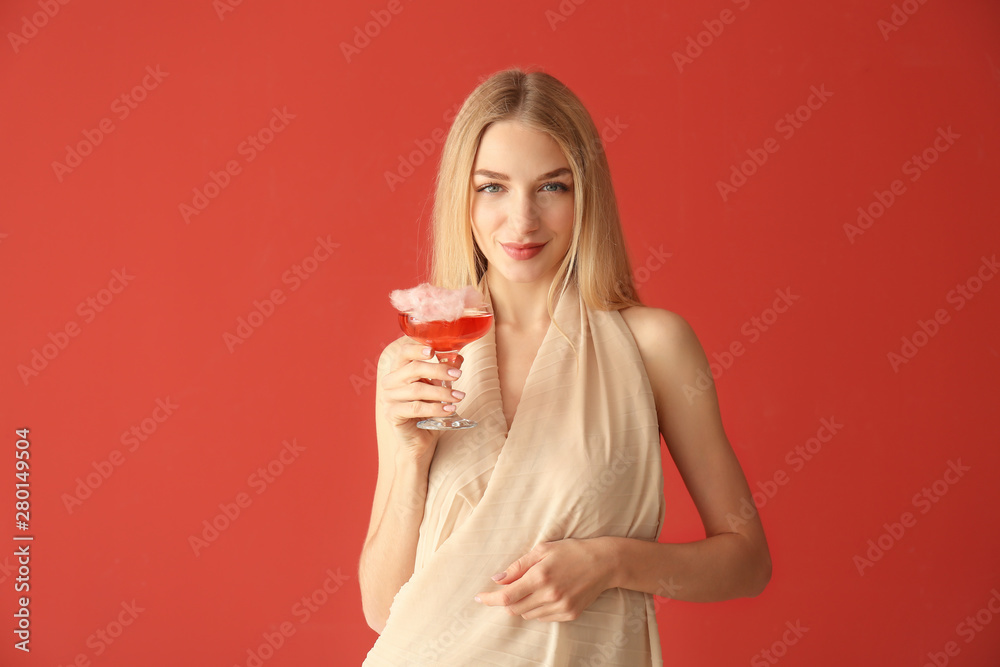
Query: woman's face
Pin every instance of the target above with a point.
(522, 202)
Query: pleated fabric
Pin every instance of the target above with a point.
(581, 459)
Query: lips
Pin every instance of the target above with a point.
(522, 250)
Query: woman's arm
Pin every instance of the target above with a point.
(733, 560)
(389, 552)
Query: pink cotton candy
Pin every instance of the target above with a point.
(428, 303)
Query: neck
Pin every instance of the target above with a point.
(519, 307)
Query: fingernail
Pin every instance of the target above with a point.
(454, 372)
(499, 576)
(458, 394)
(449, 408)
(427, 351)
(477, 599)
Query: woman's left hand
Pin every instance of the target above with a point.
(555, 581)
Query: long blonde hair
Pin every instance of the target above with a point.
(597, 260)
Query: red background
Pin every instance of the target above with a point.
(305, 373)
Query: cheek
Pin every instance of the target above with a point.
(561, 214)
(485, 214)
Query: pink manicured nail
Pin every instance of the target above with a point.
(499, 576)
(477, 599)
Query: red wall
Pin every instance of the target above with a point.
(309, 220)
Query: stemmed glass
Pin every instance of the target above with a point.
(446, 339)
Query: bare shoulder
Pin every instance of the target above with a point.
(670, 350)
(659, 333)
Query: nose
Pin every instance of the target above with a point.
(524, 212)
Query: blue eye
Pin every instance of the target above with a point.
(495, 188)
(559, 187)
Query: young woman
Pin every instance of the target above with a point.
(532, 538)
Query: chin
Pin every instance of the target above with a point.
(525, 274)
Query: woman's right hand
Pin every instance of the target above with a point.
(408, 396)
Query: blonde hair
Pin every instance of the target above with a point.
(597, 260)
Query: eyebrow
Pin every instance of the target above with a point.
(495, 175)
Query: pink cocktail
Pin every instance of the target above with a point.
(445, 336)
(445, 321)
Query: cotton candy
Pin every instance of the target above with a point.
(428, 303)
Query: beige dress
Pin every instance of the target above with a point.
(582, 459)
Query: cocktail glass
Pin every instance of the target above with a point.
(446, 339)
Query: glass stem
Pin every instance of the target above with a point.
(446, 357)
